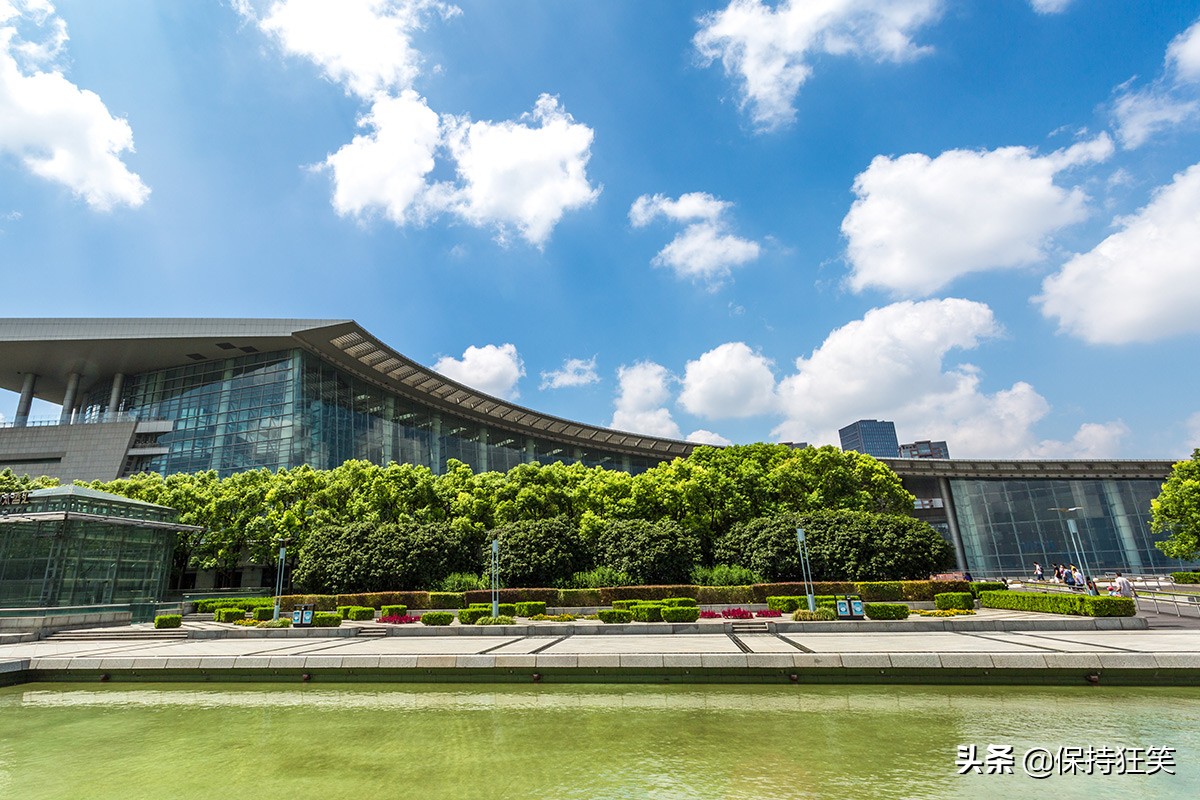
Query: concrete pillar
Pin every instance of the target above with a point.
(1129, 543)
(388, 453)
(626, 463)
(69, 399)
(23, 405)
(530, 450)
(114, 397)
(960, 552)
(435, 445)
(483, 449)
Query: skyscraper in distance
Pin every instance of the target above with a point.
(874, 437)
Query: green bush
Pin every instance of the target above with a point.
(822, 614)
(344, 611)
(521, 595)
(168, 621)
(764, 590)
(468, 616)
(380, 599)
(679, 601)
(446, 600)
(648, 612)
(648, 552)
(327, 619)
(360, 613)
(539, 552)
(680, 613)
(321, 602)
(464, 582)
(786, 603)
(282, 622)
(925, 590)
(625, 604)
(530, 608)
(579, 598)
(1077, 604)
(725, 595)
(211, 604)
(597, 578)
(503, 619)
(987, 586)
(393, 611)
(437, 618)
(229, 614)
(725, 575)
(885, 610)
(875, 591)
(612, 615)
(954, 600)
(263, 614)
(1185, 577)
(649, 592)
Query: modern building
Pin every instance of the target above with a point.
(874, 437)
(924, 449)
(71, 546)
(180, 395)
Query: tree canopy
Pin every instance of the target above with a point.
(1176, 510)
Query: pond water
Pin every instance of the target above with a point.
(131, 741)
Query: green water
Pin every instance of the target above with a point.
(134, 741)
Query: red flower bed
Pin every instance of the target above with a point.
(736, 613)
(399, 620)
(706, 614)
(768, 613)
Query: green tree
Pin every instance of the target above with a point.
(1176, 510)
(538, 553)
(11, 482)
(648, 552)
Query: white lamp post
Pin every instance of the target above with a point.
(805, 568)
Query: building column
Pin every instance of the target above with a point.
(435, 444)
(960, 552)
(23, 405)
(530, 450)
(114, 397)
(388, 454)
(483, 449)
(626, 463)
(1116, 507)
(68, 405)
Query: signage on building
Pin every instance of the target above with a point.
(13, 498)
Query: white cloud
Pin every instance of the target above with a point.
(574, 372)
(1049, 6)
(770, 51)
(644, 389)
(1193, 431)
(490, 369)
(703, 250)
(891, 365)
(364, 45)
(385, 168)
(1092, 440)
(1183, 55)
(728, 381)
(1140, 284)
(518, 174)
(919, 222)
(55, 129)
(1167, 102)
(708, 437)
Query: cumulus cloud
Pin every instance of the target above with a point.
(919, 222)
(57, 130)
(708, 437)
(574, 372)
(728, 381)
(891, 364)
(1139, 284)
(704, 250)
(490, 369)
(643, 390)
(769, 51)
(1169, 101)
(1092, 440)
(1049, 6)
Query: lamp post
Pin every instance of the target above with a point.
(1077, 543)
(279, 576)
(495, 577)
(805, 568)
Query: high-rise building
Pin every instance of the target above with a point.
(874, 437)
(924, 449)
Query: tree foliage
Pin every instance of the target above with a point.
(648, 552)
(538, 552)
(1176, 510)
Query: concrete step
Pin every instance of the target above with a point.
(747, 626)
(114, 636)
(372, 632)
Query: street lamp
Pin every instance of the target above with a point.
(279, 576)
(495, 578)
(805, 568)
(1077, 543)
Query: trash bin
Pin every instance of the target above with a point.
(302, 615)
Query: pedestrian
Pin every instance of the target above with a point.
(1068, 577)
(1124, 587)
(1080, 583)
(967, 576)
(1058, 573)
(1038, 574)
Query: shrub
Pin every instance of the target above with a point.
(613, 615)
(736, 613)
(725, 575)
(463, 582)
(820, 615)
(282, 622)
(211, 604)
(393, 611)
(398, 619)
(764, 590)
(649, 592)
(381, 599)
(1110, 606)
(229, 614)
(768, 613)
(327, 619)
(360, 613)
(1081, 605)
(706, 614)
(578, 598)
(1185, 577)
(680, 613)
(503, 619)
(987, 586)
(553, 618)
(469, 616)
(679, 601)
(725, 595)
(885, 610)
(785, 602)
(943, 612)
(647, 612)
(530, 608)
(954, 600)
(264, 614)
(625, 604)
(880, 590)
(648, 552)
(597, 578)
(539, 552)
(524, 595)
(321, 602)
(344, 611)
(168, 621)
(437, 618)
(446, 600)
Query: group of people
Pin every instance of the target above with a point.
(1070, 576)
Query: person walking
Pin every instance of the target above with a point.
(1038, 574)
(1124, 587)
(1069, 577)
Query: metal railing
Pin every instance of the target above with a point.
(45, 422)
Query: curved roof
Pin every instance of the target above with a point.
(97, 349)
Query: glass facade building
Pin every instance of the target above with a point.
(70, 546)
(874, 437)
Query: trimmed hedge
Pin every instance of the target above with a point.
(786, 603)
(987, 586)
(679, 601)
(822, 614)
(1185, 577)
(610, 593)
(447, 600)
(680, 613)
(614, 615)
(649, 612)
(168, 621)
(579, 598)
(393, 611)
(322, 602)
(211, 604)
(229, 614)
(923, 591)
(530, 608)
(437, 618)
(360, 613)
(885, 610)
(380, 599)
(548, 596)
(468, 616)
(726, 595)
(875, 591)
(327, 619)
(625, 605)
(1077, 604)
(762, 590)
(954, 600)
(503, 619)
(344, 611)
(264, 614)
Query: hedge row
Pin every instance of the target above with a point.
(211, 604)
(885, 610)
(946, 601)
(1077, 604)
(168, 621)
(1185, 577)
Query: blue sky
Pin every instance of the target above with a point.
(725, 221)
